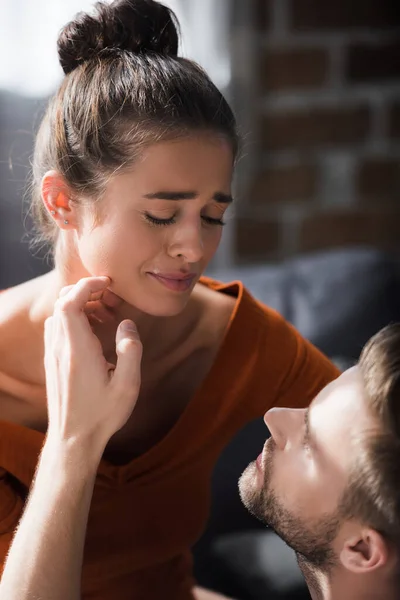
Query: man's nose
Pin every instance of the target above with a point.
(284, 424)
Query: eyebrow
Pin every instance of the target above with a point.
(219, 197)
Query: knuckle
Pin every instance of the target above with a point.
(64, 304)
(64, 290)
(84, 282)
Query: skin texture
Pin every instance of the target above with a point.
(296, 486)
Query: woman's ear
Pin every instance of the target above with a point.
(365, 552)
(56, 197)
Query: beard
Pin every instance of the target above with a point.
(311, 541)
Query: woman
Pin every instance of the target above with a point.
(87, 404)
(132, 176)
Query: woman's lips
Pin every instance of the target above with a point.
(175, 282)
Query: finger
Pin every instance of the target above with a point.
(70, 307)
(99, 310)
(82, 292)
(94, 323)
(54, 342)
(48, 332)
(126, 376)
(110, 299)
(101, 303)
(50, 363)
(66, 289)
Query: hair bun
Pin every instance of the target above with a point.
(140, 26)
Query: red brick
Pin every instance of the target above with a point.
(377, 62)
(296, 68)
(378, 179)
(281, 184)
(323, 126)
(257, 239)
(394, 120)
(343, 14)
(329, 230)
(263, 14)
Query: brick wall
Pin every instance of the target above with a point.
(326, 142)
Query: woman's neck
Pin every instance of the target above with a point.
(158, 334)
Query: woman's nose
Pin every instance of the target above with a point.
(188, 243)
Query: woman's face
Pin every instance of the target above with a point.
(160, 223)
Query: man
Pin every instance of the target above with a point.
(328, 479)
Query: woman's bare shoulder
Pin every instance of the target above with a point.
(21, 299)
(16, 305)
(21, 338)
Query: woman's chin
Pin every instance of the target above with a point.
(164, 311)
(152, 298)
(157, 307)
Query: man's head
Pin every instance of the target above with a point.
(328, 479)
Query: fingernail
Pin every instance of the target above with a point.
(128, 326)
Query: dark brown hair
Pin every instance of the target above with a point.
(124, 87)
(373, 492)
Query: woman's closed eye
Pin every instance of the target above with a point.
(171, 220)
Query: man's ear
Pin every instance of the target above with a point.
(365, 552)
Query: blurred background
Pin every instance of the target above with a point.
(327, 108)
(315, 231)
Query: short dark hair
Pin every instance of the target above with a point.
(124, 87)
(373, 491)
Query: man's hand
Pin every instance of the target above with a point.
(88, 398)
(88, 401)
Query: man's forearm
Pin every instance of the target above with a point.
(45, 558)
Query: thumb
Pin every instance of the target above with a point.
(129, 352)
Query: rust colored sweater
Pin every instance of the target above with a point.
(146, 515)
